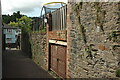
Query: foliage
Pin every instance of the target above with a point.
(43, 30)
(118, 73)
(77, 8)
(100, 15)
(11, 18)
(115, 47)
(114, 36)
(13, 24)
(24, 23)
(6, 19)
(88, 50)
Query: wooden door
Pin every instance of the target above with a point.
(54, 58)
(58, 59)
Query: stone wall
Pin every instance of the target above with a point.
(95, 51)
(38, 45)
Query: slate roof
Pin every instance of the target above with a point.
(5, 26)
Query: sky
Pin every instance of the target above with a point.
(31, 8)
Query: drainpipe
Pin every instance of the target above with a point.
(0, 42)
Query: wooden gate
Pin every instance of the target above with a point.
(58, 59)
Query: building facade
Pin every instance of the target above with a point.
(10, 35)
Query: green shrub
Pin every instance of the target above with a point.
(118, 73)
(43, 30)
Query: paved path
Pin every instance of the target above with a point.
(15, 65)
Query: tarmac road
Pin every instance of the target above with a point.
(16, 65)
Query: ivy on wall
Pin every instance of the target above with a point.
(77, 8)
(117, 73)
(100, 15)
(114, 36)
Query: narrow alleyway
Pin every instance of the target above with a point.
(16, 65)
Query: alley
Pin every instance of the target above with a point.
(16, 65)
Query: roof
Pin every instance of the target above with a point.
(5, 26)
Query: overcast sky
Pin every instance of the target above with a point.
(27, 7)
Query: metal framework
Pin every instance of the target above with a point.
(46, 6)
(49, 8)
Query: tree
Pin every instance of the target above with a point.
(24, 23)
(13, 24)
(10, 18)
(6, 18)
(15, 15)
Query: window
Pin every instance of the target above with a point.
(8, 39)
(9, 30)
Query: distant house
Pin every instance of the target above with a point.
(10, 34)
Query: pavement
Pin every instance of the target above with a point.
(16, 65)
